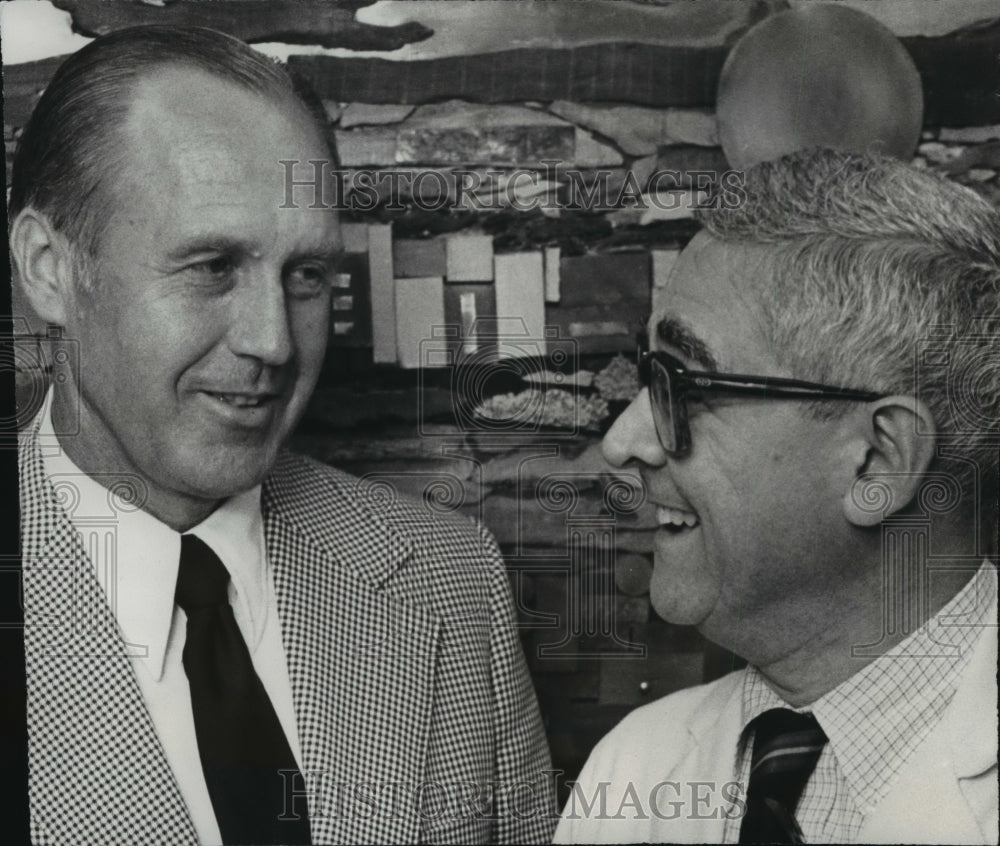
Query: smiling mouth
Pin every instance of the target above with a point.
(675, 520)
(244, 400)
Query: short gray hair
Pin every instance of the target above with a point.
(884, 277)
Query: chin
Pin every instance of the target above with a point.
(680, 608)
(229, 472)
(683, 590)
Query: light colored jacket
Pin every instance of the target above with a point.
(663, 772)
(404, 662)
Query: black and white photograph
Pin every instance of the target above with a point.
(501, 421)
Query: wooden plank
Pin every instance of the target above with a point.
(355, 237)
(663, 263)
(520, 303)
(469, 258)
(552, 275)
(22, 86)
(413, 258)
(960, 73)
(604, 301)
(419, 309)
(290, 21)
(29, 77)
(383, 296)
(615, 279)
(463, 305)
(635, 73)
(504, 145)
(695, 167)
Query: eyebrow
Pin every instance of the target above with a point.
(329, 255)
(673, 332)
(209, 243)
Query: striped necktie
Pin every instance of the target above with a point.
(786, 746)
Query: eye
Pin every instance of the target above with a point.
(307, 280)
(216, 268)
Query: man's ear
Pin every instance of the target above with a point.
(895, 439)
(44, 261)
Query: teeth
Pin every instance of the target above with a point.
(240, 400)
(675, 517)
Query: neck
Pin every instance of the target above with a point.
(862, 630)
(818, 665)
(177, 511)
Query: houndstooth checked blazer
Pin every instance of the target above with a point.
(404, 664)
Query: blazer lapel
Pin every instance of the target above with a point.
(714, 735)
(947, 793)
(361, 665)
(709, 759)
(97, 771)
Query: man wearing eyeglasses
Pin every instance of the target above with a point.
(819, 434)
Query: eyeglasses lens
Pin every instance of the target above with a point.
(662, 400)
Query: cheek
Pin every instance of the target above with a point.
(310, 323)
(772, 523)
(750, 492)
(171, 334)
(159, 341)
(111, 341)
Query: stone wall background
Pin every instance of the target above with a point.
(615, 109)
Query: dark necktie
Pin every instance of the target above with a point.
(242, 746)
(786, 746)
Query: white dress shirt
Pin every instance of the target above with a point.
(139, 573)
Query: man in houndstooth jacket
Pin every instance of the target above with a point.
(193, 311)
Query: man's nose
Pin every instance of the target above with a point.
(633, 435)
(260, 326)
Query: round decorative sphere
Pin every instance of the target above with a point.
(819, 75)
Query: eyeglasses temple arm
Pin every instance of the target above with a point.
(788, 388)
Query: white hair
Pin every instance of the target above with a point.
(882, 277)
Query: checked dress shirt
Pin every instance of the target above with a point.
(877, 718)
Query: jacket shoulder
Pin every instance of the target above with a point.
(669, 720)
(323, 496)
(424, 552)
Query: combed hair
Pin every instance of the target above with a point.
(882, 277)
(71, 144)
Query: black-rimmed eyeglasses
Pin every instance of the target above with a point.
(670, 383)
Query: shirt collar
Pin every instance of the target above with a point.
(135, 556)
(875, 719)
(235, 532)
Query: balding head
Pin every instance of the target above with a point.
(75, 138)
